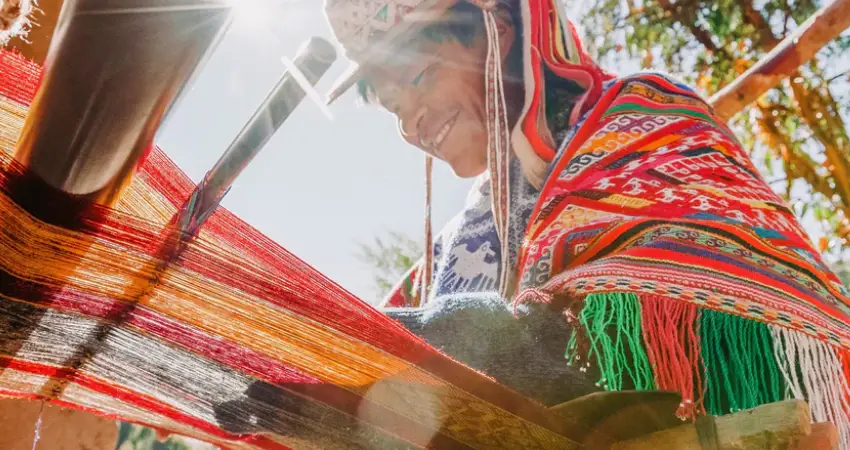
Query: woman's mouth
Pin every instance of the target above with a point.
(441, 134)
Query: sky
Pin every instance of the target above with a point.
(322, 185)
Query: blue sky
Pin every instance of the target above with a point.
(320, 186)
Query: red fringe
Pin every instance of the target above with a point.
(673, 346)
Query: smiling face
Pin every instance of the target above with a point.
(435, 87)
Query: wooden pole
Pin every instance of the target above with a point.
(776, 425)
(795, 50)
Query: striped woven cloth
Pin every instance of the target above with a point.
(235, 342)
(681, 268)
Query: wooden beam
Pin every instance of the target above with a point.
(784, 59)
(777, 425)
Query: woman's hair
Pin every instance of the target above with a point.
(464, 23)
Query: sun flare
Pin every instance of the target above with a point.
(251, 14)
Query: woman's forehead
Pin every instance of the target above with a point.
(400, 61)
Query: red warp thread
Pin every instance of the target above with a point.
(672, 344)
(19, 78)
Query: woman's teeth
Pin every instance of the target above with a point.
(444, 131)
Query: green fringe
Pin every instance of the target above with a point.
(612, 322)
(740, 367)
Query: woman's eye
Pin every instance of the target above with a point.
(421, 75)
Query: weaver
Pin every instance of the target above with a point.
(622, 202)
(241, 344)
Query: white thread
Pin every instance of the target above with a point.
(37, 433)
(819, 379)
(14, 18)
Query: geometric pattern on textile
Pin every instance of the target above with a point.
(679, 267)
(653, 194)
(235, 342)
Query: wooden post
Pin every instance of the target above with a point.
(784, 59)
(777, 425)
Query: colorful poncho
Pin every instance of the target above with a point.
(681, 269)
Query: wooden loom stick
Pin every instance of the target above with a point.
(776, 425)
(794, 51)
(97, 110)
(314, 59)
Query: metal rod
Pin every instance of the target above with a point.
(113, 72)
(312, 61)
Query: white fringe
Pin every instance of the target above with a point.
(14, 18)
(814, 373)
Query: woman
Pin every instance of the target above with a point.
(621, 202)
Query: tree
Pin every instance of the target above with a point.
(135, 437)
(843, 272)
(391, 258)
(798, 132)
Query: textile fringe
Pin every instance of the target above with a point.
(740, 370)
(670, 332)
(814, 372)
(613, 326)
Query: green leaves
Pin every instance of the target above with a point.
(391, 257)
(135, 437)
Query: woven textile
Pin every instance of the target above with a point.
(682, 268)
(236, 341)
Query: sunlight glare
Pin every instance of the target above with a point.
(251, 14)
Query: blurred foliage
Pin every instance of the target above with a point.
(390, 258)
(843, 272)
(135, 437)
(797, 132)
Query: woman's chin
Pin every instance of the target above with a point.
(463, 169)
